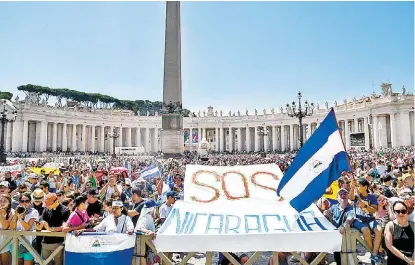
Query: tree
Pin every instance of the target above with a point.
(6, 95)
(95, 99)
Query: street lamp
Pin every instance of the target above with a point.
(263, 131)
(114, 135)
(4, 120)
(300, 113)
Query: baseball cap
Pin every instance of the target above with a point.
(93, 192)
(50, 199)
(172, 194)
(150, 203)
(4, 183)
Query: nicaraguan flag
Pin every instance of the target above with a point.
(317, 164)
(99, 249)
(150, 172)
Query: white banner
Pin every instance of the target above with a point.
(236, 209)
(214, 185)
(241, 227)
(10, 168)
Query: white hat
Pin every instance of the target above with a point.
(127, 181)
(33, 176)
(117, 204)
(4, 183)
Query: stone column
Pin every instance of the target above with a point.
(248, 139)
(347, 134)
(25, 135)
(43, 135)
(83, 138)
(283, 138)
(120, 142)
(92, 146)
(15, 139)
(230, 140)
(110, 140)
(217, 138)
(266, 140)
(274, 138)
(54, 136)
(256, 139)
(73, 145)
(128, 136)
(393, 129)
(147, 139)
(190, 139)
(138, 137)
(366, 131)
(291, 135)
(239, 134)
(222, 139)
(199, 134)
(308, 133)
(404, 130)
(205, 133)
(102, 138)
(155, 140)
(375, 132)
(64, 137)
(8, 142)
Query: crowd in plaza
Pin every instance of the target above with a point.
(96, 192)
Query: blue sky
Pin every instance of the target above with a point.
(235, 55)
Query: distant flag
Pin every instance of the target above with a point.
(151, 172)
(317, 164)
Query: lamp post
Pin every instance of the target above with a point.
(300, 113)
(262, 131)
(114, 135)
(4, 120)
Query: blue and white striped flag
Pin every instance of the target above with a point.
(150, 172)
(317, 164)
(99, 249)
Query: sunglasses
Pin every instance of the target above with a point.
(400, 211)
(24, 201)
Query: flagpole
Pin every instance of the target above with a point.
(338, 129)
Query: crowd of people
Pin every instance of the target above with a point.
(108, 194)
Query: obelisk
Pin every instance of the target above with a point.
(172, 139)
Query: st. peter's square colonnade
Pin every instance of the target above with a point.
(376, 121)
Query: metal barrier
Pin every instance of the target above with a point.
(348, 249)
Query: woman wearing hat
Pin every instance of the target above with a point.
(117, 222)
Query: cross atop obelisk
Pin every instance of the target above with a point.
(172, 141)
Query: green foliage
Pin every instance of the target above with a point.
(94, 98)
(6, 95)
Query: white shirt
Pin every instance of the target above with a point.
(145, 221)
(164, 210)
(33, 214)
(108, 225)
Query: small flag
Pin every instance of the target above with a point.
(317, 164)
(150, 172)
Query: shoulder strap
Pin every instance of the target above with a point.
(391, 227)
(80, 217)
(412, 224)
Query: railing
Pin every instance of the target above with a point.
(17, 237)
(348, 250)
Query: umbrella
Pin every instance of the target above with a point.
(118, 169)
